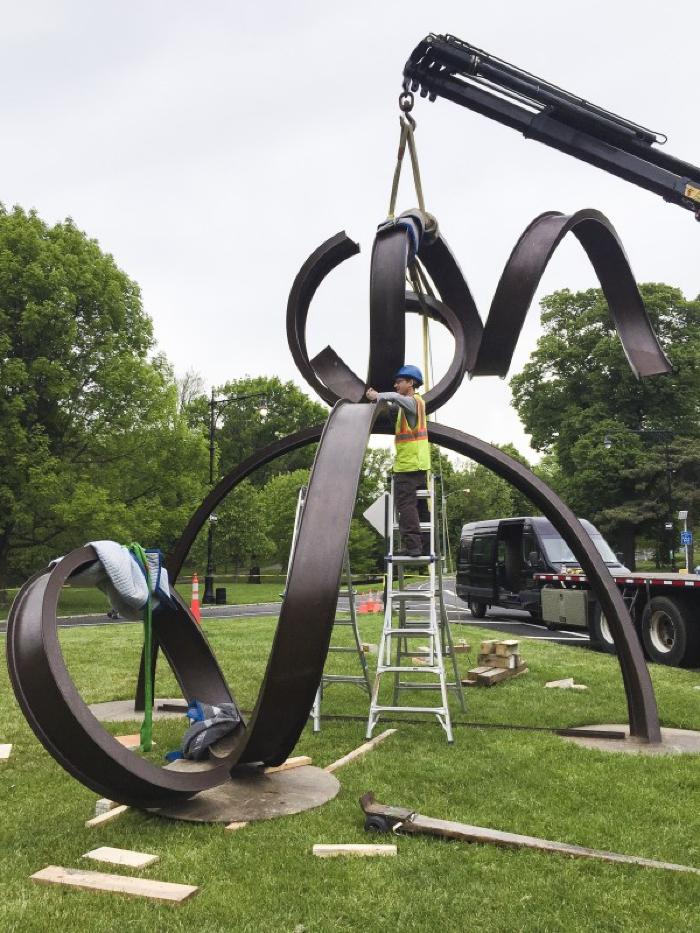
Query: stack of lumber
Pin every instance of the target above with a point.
(498, 661)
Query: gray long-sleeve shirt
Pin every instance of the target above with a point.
(407, 402)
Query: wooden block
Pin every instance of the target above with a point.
(491, 676)
(487, 647)
(330, 851)
(495, 675)
(475, 671)
(130, 741)
(494, 660)
(358, 752)
(121, 884)
(5, 752)
(564, 683)
(504, 648)
(232, 827)
(290, 763)
(462, 647)
(106, 817)
(121, 857)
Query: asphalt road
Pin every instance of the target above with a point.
(511, 622)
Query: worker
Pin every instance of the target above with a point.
(412, 460)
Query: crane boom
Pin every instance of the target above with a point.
(445, 66)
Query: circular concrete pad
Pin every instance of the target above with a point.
(123, 710)
(673, 741)
(253, 795)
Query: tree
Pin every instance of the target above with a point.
(266, 411)
(577, 389)
(475, 493)
(242, 532)
(278, 499)
(91, 445)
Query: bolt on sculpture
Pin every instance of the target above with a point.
(412, 242)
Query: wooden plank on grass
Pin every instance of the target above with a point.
(232, 827)
(5, 752)
(130, 741)
(331, 851)
(359, 752)
(120, 884)
(297, 762)
(106, 817)
(121, 857)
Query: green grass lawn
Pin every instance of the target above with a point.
(264, 876)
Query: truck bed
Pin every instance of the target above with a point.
(633, 579)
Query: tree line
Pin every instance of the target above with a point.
(99, 439)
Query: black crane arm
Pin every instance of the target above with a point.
(445, 66)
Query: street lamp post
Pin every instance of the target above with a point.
(665, 437)
(216, 406)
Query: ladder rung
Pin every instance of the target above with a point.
(410, 594)
(407, 685)
(423, 494)
(412, 631)
(347, 592)
(344, 679)
(343, 649)
(399, 669)
(342, 622)
(424, 526)
(436, 710)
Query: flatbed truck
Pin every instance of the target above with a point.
(524, 563)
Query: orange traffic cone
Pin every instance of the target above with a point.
(194, 605)
(375, 602)
(363, 606)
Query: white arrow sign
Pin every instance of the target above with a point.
(376, 514)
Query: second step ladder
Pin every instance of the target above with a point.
(416, 638)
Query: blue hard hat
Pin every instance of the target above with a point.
(411, 372)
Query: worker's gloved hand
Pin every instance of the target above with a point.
(372, 394)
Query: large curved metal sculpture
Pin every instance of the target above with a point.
(48, 697)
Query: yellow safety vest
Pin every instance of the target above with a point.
(412, 447)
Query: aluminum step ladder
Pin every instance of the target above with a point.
(335, 648)
(405, 623)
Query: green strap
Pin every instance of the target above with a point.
(147, 725)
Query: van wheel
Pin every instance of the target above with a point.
(599, 630)
(478, 608)
(667, 635)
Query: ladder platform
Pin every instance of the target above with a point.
(406, 559)
(411, 594)
(405, 669)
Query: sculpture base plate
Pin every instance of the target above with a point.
(253, 795)
(123, 710)
(673, 741)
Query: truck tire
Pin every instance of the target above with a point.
(668, 635)
(599, 630)
(477, 608)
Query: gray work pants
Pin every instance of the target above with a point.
(408, 507)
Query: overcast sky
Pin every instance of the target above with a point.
(211, 147)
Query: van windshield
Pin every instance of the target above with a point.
(558, 551)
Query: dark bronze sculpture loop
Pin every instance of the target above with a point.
(522, 275)
(42, 684)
